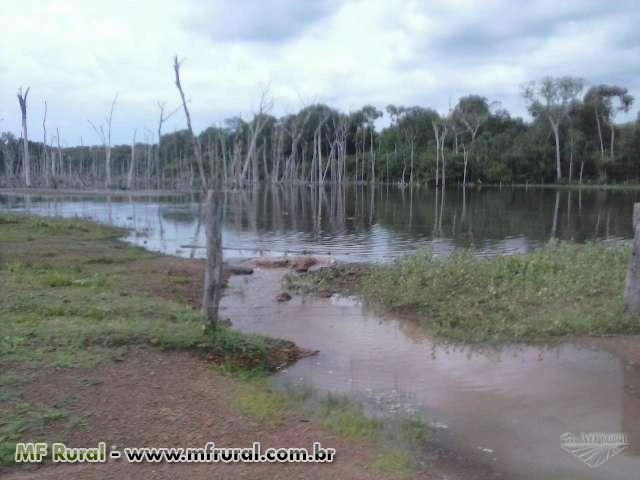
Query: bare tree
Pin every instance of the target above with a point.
(163, 118)
(197, 148)
(213, 281)
(440, 134)
(26, 161)
(132, 164)
(255, 128)
(60, 162)
(105, 137)
(45, 164)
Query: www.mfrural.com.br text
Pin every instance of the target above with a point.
(37, 452)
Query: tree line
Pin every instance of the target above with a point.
(573, 137)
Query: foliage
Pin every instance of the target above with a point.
(502, 148)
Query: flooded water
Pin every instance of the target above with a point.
(506, 408)
(357, 224)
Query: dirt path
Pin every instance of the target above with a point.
(155, 398)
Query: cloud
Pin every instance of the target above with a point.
(271, 21)
(78, 54)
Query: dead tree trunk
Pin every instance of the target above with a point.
(632, 290)
(197, 149)
(26, 161)
(105, 136)
(60, 159)
(213, 225)
(163, 118)
(132, 164)
(213, 271)
(45, 163)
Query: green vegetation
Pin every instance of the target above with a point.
(574, 137)
(562, 289)
(559, 290)
(393, 461)
(19, 418)
(400, 438)
(326, 281)
(70, 307)
(73, 296)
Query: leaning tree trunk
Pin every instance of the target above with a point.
(600, 136)
(213, 271)
(556, 134)
(197, 149)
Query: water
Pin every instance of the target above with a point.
(505, 408)
(362, 224)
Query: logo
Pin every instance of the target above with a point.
(594, 448)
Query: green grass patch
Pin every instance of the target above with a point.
(22, 418)
(258, 401)
(347, 418)
(400, 438)
(559, 290)
(326, 281)
(394, 462)
(30, 228)
(79, 311)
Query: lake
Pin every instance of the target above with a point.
(357, 224)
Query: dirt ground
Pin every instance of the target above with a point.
(154, 398)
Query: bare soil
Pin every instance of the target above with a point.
(173, 399)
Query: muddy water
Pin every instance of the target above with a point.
(506, 408)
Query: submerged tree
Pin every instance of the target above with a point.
(213, 223)
(553, 99)
(197, 148)
(105, 137)
(601, 98)
(471, 111)
(26, 161)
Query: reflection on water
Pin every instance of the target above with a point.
(358, 224)
(513, 402)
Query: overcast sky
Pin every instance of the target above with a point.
(78, 54)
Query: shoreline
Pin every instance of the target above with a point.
(16, 191)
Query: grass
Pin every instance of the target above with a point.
(562, 289)
(76, 310)
(326, 281)
(20, 418)
(393, 461)
(74, 296)
(400, 439)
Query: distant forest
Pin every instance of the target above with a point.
(573, 138)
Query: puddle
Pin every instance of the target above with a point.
(506, 407)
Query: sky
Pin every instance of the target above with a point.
(77, 55)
